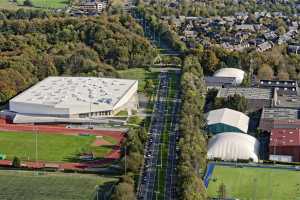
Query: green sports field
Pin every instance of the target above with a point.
(6, 4)
(24, 185)
(256, 183)
(51, 147)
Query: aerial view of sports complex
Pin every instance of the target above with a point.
(149, 100)
(65, 135)
(64, 124)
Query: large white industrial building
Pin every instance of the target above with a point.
(230, 146)
(238, 74)
(77, 97)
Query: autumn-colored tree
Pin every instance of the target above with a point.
(209, 61)
(265, 72)
(282, 75)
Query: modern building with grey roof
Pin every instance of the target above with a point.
(283, 87)
(219, 82)
(287, 101)
(280, 113)
(279, 118)
(257, 98)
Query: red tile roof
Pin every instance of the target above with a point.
(285, 137)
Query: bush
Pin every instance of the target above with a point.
(28, 3)
(124, 189)
(134, 161)
(16, 162)
(235, 102)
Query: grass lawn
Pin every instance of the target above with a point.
(6, 4)
(24, 185)
(51, 147)
(256, 183)
(117, 2)
(139, 74)
(122, 113)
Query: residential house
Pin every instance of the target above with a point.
(244, 27)
(264, 46)
(91, 6)
(294, 49)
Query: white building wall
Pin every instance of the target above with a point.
(77, 109)
(36, 109)
(131, 92)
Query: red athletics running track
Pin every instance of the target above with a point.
(58, 129)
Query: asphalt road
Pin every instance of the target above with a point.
(148, 176)
(170, 178)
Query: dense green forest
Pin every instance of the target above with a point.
(25, 14)
(32, 49)
(192, 159)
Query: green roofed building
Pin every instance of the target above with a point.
(227, 120)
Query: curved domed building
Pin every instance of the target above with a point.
(227, 120)
(238, 74)
(230, 146)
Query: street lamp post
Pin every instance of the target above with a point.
(36, 143)
(125, 161)
(36, 146)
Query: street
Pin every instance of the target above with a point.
(147, 183)
(170, 178)
(147, 189)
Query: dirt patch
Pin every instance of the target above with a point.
(100, 142)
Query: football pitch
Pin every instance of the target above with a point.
(256, 183)
(24, 185)
(51, 147)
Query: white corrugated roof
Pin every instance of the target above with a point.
(229, 117)
(231, 72)
(232, 146)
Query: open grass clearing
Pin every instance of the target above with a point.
(256, 183)
(24, 185)
(51, 147)
(43, 4)
(139, 74)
